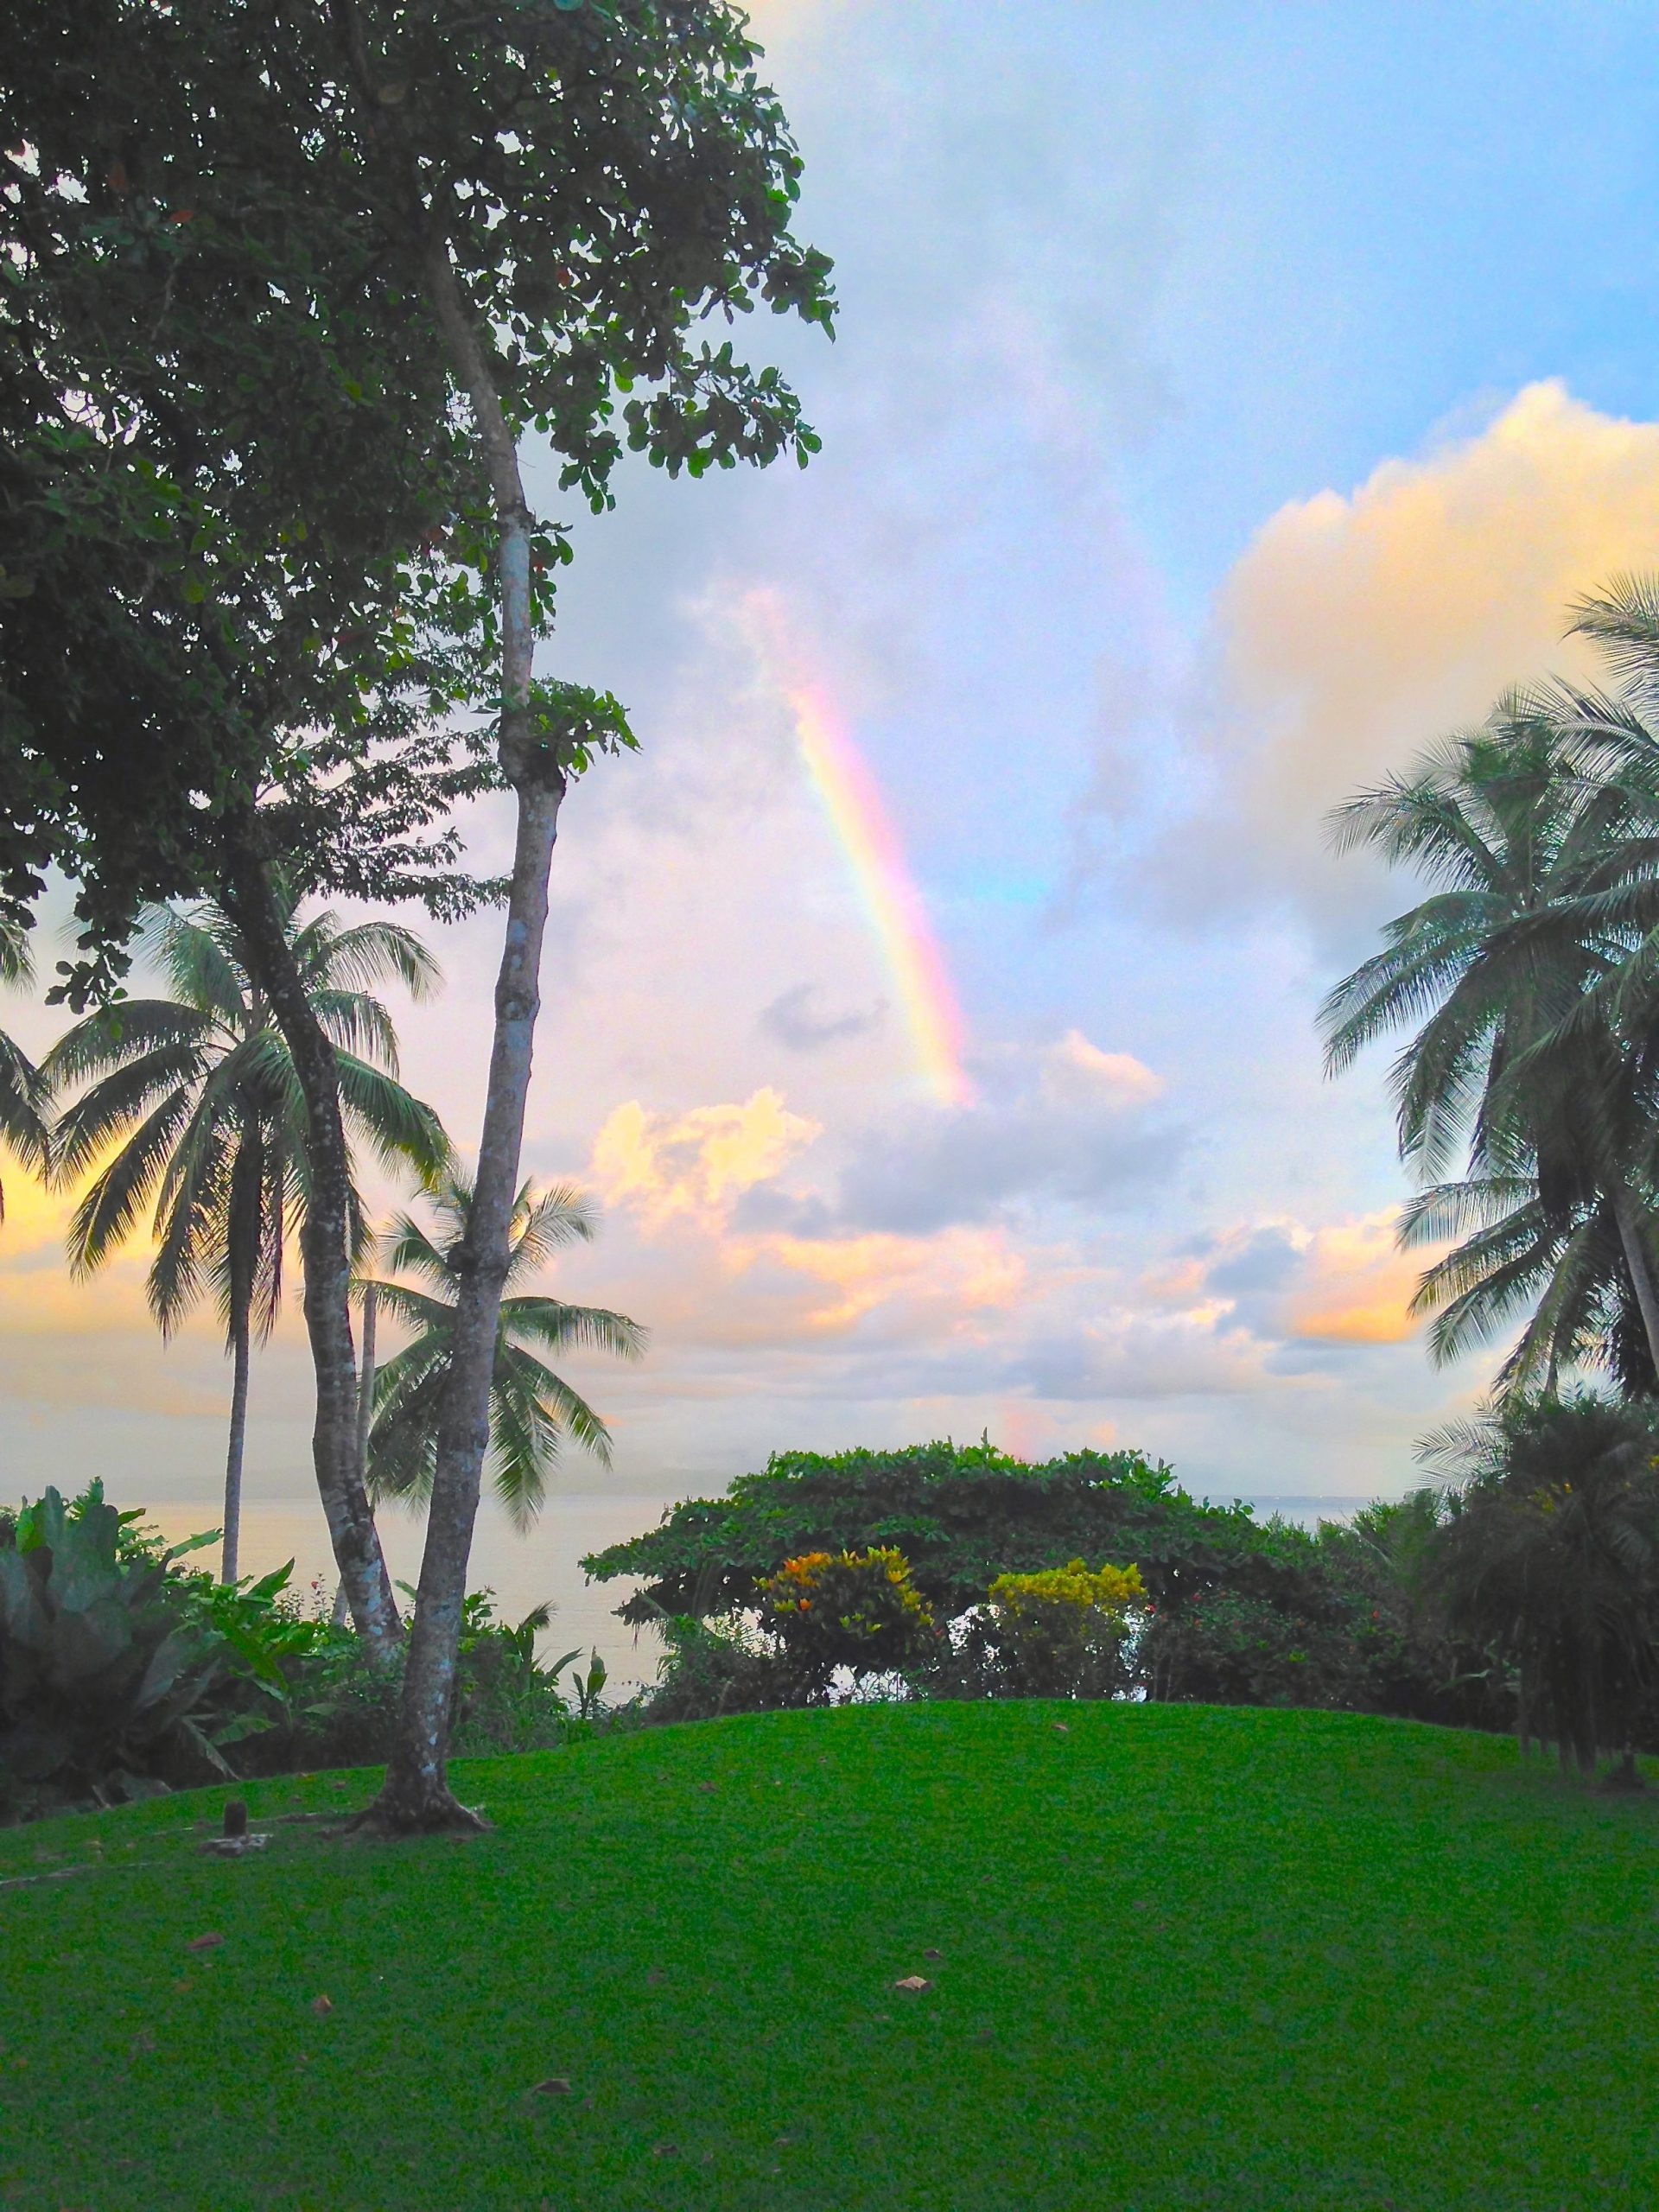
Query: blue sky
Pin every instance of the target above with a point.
(1227, 401)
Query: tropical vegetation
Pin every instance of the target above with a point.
(189, 1110)
(531, 1408)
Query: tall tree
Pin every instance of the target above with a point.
(532, 1409)
(1516, 960)
(229, 485)
(573, 189)
(192, 1104)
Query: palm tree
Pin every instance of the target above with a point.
(531, 1408)
(199, 1098)
(1549, 1551)
(1565, 1270)
(1526, 1057)
(23, 1089)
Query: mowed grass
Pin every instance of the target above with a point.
(1179, 1957)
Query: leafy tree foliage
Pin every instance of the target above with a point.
(1237, 1610)
(962, 1515)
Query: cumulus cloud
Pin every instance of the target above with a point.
(1357, 628)
(1337, 1283)
(663, 1165)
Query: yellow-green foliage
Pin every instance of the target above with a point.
(848, 1609)
(1060, 1632)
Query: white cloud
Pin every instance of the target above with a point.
(1356, 629)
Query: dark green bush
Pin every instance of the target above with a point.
(110, 1684)
(709, 1670)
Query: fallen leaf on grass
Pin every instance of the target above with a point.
(209, 1943)
(915, 1983)
(706, 1787)
(933, 1955)
(554, 2085)
(1062, 1728)
(323, 2006)
(665, 2151)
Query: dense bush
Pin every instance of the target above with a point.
(710, 1669)
(123, 1672)
(1061, 1631)
(112, 1681)
(857, 1610)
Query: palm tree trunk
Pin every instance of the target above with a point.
(365, 1418)
(324, 1246)
(1628, 1214)
(416, 1793)
(241, 1354)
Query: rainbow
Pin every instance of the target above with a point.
(847, 793)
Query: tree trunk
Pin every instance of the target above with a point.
(1628, 1214)
(366, 1380)
(416, 1793)
(365, 1420)
(324, 1246)
(241, 1355)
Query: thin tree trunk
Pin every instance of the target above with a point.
(241, 1354)
(416, 1793)
(365, 1419)
(324, 1246)
(1628, 1214)
(366, 1380)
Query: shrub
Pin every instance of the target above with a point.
(1061, 1631)
(708, 1671)
(848, 1609)
(108, 1684)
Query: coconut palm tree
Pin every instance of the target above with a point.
(532, 1409)
(23, 1089)
(1563, 1273)
(1527, 1057)
(192, 1106)
(1549, 1551)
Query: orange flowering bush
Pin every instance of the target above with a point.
(848, 1609)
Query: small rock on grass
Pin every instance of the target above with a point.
(913, 1983)
(323, 2006)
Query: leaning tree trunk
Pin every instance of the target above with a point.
(416, 1793)
(242, 1359)
(325, 1247)
(1637, 1258)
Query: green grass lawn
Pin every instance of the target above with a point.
(1179, 1957)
